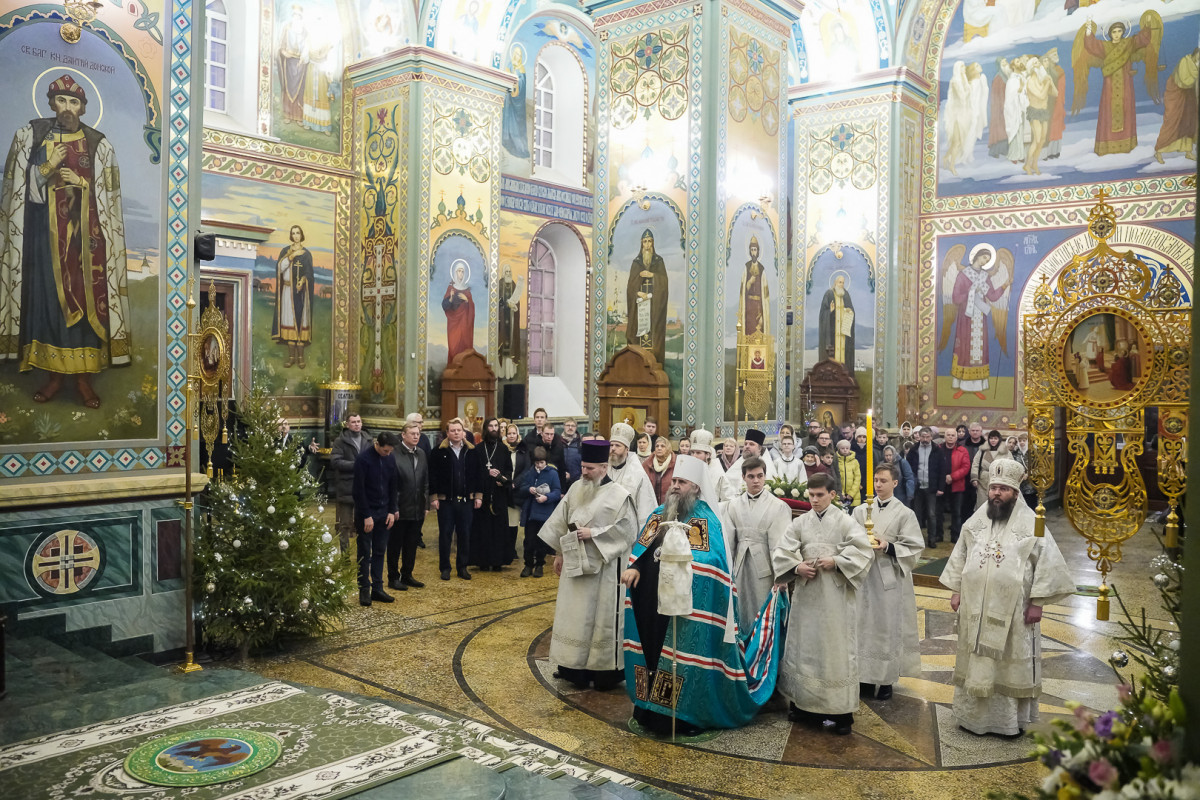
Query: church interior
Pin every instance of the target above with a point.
(715, 216)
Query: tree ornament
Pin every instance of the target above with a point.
(237, 543)
(291, 520)
(1161, 580)
(328, 569)
(1119, 659)
(278, 452)
(1169, 672)
(304, 604)
(326, 538)
(320, 509)
(247, 601)
(283, 544)
(270, 509)
(210, 588)
(218, 557)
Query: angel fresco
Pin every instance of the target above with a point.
(971, 293)
(1116, 126)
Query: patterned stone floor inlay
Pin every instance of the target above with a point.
(479, 650)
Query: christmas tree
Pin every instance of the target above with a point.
(266, 565)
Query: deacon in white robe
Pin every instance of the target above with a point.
(1002, 576)
(828, 555)
(758, 521)
(592, 532)
(628, 472)
(889, 646)
(752, 448)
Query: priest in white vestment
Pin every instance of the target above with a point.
(828, 555)
(1002, 576)
(629, 473)
(592, 532)
(889, 646)
(702, 448)
(758, 521)
(753, 447)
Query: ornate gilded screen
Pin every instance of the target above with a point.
(1108, 338)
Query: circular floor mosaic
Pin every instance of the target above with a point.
(200, 758)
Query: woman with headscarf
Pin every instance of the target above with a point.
(660, 466)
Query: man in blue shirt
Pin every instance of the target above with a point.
(376, 494)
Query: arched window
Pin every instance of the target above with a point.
(230, 55)
(216, 58)
(542, 269)
(559, 116)
(558, 274)
(543, 118)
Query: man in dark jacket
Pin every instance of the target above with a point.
(422, 440)
(376, 483)
(556, 451)
(342, 456)
(929, 473)
(413, 503)
(455, 472)
(534, 437)
(489, 537)
(571, 441)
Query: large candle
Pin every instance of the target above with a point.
(869, 478)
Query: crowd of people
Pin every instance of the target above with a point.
(683, 575)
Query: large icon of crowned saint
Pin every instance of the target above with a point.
(64, 298)
(971, 294)
(646, 300)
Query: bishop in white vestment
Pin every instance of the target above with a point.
(889, 646)
(828, 554)
(1002, 576)
(629, 473)
(592, 532)
(758, 521)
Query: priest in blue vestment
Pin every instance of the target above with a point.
(689, 666)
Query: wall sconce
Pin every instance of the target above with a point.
(81, 12)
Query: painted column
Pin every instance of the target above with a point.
(427, 201)
(857, 159)
(691, 166)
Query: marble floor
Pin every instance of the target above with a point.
(478, 649)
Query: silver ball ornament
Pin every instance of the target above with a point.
(328, 570)
(270, 509)
(304, 604)
(283, 544)
(278, 452)
(291, 520)
(1119, 659)
(320, 509)
(1169, 672)
(326, 538)
(210, 588)
(237, 543)
(247, 601)
(1161, 580)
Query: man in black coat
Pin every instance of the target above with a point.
(534, 437)
(929, 473)
(490, 533)
(412, 505)
(376, 483)
(556, 449)
(342, 456)
(455, 474)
